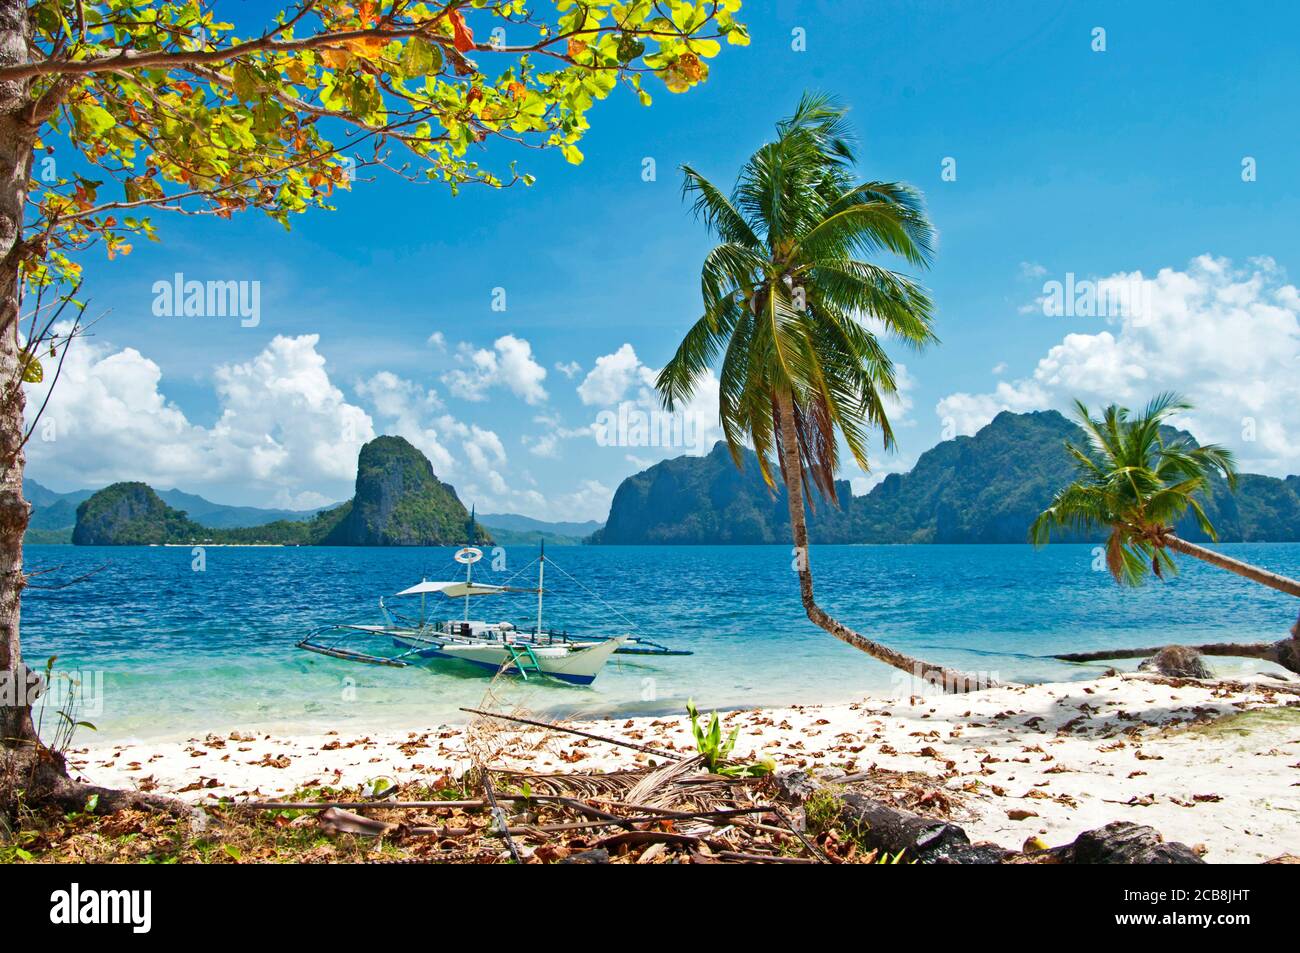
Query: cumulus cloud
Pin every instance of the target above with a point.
(407, 410)
(1227, 337)
(509, 364)
(613, 374)
(632, 415)
(282, 426)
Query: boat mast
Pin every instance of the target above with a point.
(541, 573)
(468, 567)
(473, 537)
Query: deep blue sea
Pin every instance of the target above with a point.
(170, 651)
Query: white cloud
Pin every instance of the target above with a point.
(282, 425)
(898, 405)
(609, 380)
(509, 364)
(484, 448)
(522, 374)
(1228, 338)
(570, 369)
(692, 427)
(437, 339)
(405, 408)
(547, 445)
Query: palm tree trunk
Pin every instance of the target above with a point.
(1262, 576)
(952, 681)
(1285, 652)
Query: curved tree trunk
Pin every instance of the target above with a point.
(1262, 576)
(1285, 652)
(950, 680)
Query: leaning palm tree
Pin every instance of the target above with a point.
(790, 304)
(1137, 485)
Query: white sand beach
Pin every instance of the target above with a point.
(1216, 768)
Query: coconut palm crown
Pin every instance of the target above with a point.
(1136, 484)
(787, 289)
(791, 313)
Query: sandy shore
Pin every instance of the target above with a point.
(1208, 767)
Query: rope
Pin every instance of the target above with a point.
(593, 595)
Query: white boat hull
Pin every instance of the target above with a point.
(578, 665)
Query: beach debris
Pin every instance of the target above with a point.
(881, 827)
(1177, 661)
(552, 726)
(1123, 842)
(338, 821)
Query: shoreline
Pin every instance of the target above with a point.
(1201, 763)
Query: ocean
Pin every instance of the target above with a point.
(163, 649)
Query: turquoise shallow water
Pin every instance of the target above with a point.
(178, 651)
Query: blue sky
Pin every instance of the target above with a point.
(1068, 160)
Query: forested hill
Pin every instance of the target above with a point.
(985, 488)
(398, 502)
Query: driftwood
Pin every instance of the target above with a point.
(926, 840)
(929, 840)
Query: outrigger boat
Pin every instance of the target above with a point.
(497, 646)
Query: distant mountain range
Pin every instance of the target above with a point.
(54, 514)
(982, 489)
(398, 502)
(511, 529)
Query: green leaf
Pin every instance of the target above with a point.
(93, 119)
(234, 853)
(245, 82)
(92, 803)
(420, 58)
(33, 373)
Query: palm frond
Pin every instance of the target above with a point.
(1137, 484)
(790, 293)
(709, 203)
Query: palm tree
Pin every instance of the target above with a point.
(1137, 485)
(786, 296)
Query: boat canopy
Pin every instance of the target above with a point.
(454, 590)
